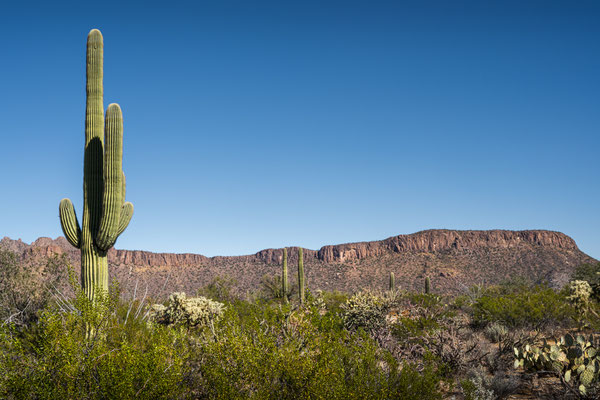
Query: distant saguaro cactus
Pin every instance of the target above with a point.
(300, 275)
(427, 285)
(105, 212)
(284, 277)
(392, 282)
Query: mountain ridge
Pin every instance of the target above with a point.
(448, 255)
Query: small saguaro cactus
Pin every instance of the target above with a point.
(392, 282)
(427, 285)
(284, 277)
(105, 212)
(300, 275)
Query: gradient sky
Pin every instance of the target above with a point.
(251, 125)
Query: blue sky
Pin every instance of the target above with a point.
(251, 125)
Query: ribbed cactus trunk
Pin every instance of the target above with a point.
(427, 285)
(300, 275)
(392, 282)
(284, 277)
(105, 212)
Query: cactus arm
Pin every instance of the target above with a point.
(68, 222)
(126, 214)
(112, 200)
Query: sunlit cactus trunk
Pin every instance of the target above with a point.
(284, 277)
(392, 282)
(105, 212)
(427, 285)
(300, 275)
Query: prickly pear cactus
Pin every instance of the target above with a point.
(575, 359)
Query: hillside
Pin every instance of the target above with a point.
(453, 259)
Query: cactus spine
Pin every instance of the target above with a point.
(284, 277)
(300, 275)
(392, 282)
(427, 285)
(105, 212)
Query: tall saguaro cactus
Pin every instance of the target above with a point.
(105, 212)
(300, 275)
(427, 285)
(284, 277)
(392, 282)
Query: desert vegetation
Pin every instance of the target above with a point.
(513, 340)
(61, 338)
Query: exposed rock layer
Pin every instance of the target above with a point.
(453, 259)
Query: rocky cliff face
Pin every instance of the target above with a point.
(444, 240)
(454, 259)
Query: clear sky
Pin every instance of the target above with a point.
(253, 124)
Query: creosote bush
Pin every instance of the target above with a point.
(90, 352)
(522, 307)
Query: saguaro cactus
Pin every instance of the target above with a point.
(392, 282)
(105, 212)
(427, 285)
(300, 275)
(284, 277)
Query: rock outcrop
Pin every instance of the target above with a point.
(453, 259)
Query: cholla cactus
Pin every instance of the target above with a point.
(189, 312)
(365, 310)
(579, 294)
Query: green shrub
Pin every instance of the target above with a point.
(265, 351)
(534, 307)
(421, 315)
(91, 353)
(221, 289)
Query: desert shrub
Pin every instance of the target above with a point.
(334, 300)
(86, 353)
(477, 386)
(27, 289)
(535, 307)
(271, 287)
(420, 315)
(221, 289)
(189, 312)
(495, 332)
(267, 351)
